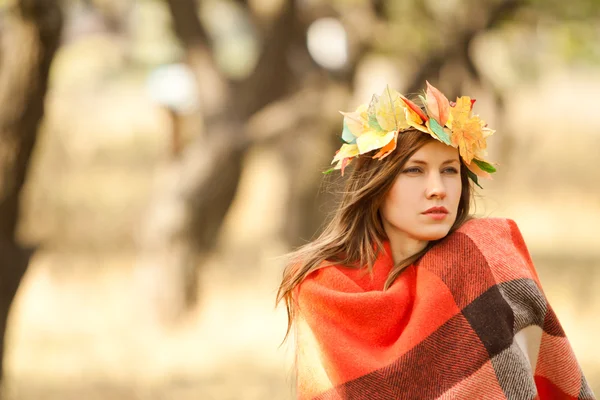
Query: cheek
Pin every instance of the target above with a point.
(398, 202)
(454, 193)
(392, 200)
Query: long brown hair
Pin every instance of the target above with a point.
(354, 235)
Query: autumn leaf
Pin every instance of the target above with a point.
(346, 151)
(390, 111)
(485, 166)
(373, 140)
(473, 177)
(388, 148)
(344, 164)
(438, 106)
(414, 119)
(476, 170)
(372, 108)
(450, 118)
(347, 135)
(467, 130)
(414, 108)
(343, 156)
(438, 132)
(374, 123)
(467, 137)
(357, 122)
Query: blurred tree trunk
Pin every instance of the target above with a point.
(30, 36)
(195, 191)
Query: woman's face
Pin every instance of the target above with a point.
(423, 201)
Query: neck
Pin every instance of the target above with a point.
(402, 245)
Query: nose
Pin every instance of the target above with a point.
(435, 186)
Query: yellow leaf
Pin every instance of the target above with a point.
(357, 121)
(462, 108)
(413, 119)
(344, 156)
(373, 140)
(487, 132)
(346, 151)
(388, 148)
(467, 131)
(390, 111)
(450, 119)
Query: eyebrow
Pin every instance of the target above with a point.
(425, 163)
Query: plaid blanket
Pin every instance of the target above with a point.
(468, 321)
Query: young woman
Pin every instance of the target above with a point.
(404, 295)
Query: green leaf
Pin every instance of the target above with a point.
(329, 171)
(473, 177)
(347, 136)
(439, 131)
(373, 124)
(487, 167)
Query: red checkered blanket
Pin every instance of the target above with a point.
(468, 321)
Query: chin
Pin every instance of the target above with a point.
(431, 233)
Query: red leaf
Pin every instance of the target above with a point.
(437, 104)
(415, 108)
(345, 162)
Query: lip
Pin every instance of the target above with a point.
(436, 213)
(436, 210)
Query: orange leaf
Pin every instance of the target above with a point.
(345, 163)
(438, 106)
(387, 149)
(415, 108)
(467, 130)
(413, 119)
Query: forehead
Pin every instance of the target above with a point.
(435, 150)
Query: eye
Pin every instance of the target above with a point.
(450, 170)
(412, 170)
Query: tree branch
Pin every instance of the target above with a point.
(188, 28)
(460, 46)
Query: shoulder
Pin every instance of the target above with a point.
(495, 242)
(481, 227)
(493, 234)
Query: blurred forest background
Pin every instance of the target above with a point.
(157, 157)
